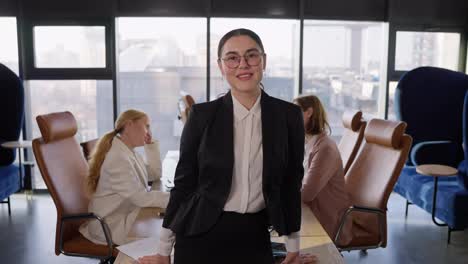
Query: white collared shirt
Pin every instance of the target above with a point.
(246, 195)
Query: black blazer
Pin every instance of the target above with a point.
(204, 173)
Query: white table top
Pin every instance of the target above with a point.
(436, 170)
(17, 144)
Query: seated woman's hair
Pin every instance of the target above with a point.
(318, 122)
(104, 144)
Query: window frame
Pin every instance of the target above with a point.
(31, 72)
(395, 75)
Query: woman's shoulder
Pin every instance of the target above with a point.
(284, 105)
(203, 112)
(324, 146)
(325, 141)
(117, 154)
(206, 106)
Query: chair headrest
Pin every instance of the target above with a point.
(57, 126)
(385, 132)
(352, 120)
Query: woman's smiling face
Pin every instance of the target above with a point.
(242, 63)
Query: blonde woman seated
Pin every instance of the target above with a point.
(323, 186)
(118, 178)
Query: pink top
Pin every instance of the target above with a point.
(323, 187)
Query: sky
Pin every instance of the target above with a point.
(324, 46)
(9, 50)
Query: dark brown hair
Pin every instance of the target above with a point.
(236, 33)
(318, 122)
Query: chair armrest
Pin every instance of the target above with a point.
(437, 152)
(75, 217)
(370, 210)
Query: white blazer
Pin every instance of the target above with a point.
(123, 190)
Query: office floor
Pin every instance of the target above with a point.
(28, 236)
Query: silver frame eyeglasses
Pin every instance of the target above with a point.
(252, 58)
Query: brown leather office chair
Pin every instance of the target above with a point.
(371, 179)
(64, 169)
(352, 137)
(88, 147)
(185, 104)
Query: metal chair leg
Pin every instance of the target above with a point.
(7, 201)
(449, 235)
(109, 260)
(434, 203)
(406, 210)
(9, 206)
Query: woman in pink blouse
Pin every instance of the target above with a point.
(323, 186)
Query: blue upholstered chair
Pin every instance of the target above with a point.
(432, 101)
(11, 120)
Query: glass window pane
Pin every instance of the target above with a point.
(89, 101)
(281, 46)
(391, 100)
(415, 49)
(69, 47)
(161, 59)
(344, 64)
(9, 43)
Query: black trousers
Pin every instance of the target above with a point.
(236, 238)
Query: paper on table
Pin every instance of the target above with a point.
(140, 248)
(326, 253)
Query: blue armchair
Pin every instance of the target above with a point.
(12, 109)
(432, 101)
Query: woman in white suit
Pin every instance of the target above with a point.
(118, 178)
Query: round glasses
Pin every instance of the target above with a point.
(252, 58)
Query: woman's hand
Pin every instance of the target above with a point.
(148, 138)
(155, 259)
(296, 258)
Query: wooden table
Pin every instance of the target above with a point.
(313, 238)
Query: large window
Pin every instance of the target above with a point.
(415, 49)
(161, 59)
(89, 101)
(69, 47)
(9, 43)
(280, 39)
(345, 66)
(71, 63)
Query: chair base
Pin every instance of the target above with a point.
(363, 249)
(109, 260)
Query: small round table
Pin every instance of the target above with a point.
(436, 171)
(22, 144)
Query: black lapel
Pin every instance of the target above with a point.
(267, 135)
(226, 118)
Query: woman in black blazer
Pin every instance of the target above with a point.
(240, 169)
